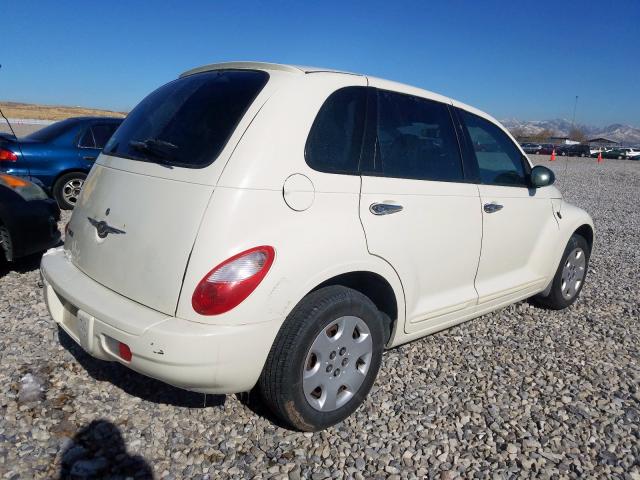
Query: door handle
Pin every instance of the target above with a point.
(89, 157)
(492, 207)
(384, 208)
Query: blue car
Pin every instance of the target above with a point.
(59, 156)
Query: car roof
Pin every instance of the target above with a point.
(88, 118)
(381, 83)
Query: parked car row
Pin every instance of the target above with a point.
(624, 153)
(582, 150)
(538, 148)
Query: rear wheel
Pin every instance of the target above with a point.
(324, 359)
(570, 275)
(6, 247)
(67, 189)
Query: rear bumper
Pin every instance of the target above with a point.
(193, 356)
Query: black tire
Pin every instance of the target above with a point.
(555, 300)
(67, 201)
(6, 247)
(281, 381)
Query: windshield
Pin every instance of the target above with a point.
(53, 131)
(187, 122)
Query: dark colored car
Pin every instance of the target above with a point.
(531, 147)
(546, 149)
(28, 218)
(538, 148)
(59, 156)
(577, 150)
(615, 153)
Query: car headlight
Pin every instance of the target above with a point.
(27, 190)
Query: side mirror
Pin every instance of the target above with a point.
(542, 176)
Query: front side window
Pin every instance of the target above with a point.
(187, 122)
(416, 139)
(335, 139)
(499, 160)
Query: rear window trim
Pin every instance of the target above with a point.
(174, 164)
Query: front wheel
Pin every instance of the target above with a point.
(324, 360)
(570, 275)
(67, 189)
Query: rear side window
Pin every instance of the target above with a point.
(87, 140)
(416, 139)
(499, 160)
(102, 133)
(188, 121)
(335, 139)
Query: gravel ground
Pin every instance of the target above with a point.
(522, 392)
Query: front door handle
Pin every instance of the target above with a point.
(492, 207)
(385, 208)
(89, 157)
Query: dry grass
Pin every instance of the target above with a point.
(52, 112)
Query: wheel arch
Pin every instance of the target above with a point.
(64, 172)
(586, 231)
(372, 285)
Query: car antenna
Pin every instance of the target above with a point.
(6, 119)
(11, 128)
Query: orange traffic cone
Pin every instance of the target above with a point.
(599, 157)
(553, 155)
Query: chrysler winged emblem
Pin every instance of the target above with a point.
(103, 228)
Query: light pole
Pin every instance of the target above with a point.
(573, 119)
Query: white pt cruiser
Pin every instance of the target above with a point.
(270, 226)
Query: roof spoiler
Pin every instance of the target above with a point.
(243, 66)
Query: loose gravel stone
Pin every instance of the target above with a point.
(519, 392)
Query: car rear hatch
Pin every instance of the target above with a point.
(140, 209)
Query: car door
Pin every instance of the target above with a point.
(416, 209)
(518, 224)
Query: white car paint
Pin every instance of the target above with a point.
(444, 259)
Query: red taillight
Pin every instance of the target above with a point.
(124, 351)
(227, 285)
(7, 156)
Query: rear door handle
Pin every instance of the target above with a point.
(492, 207)
(88, 157)
(385, 208)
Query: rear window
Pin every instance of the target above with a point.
(187, 122)
(53, 131)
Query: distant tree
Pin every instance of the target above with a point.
(543, 135)
(577, 134)
(518, 133)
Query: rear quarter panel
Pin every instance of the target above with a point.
(247, 209)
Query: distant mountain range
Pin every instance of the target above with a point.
(561, 127)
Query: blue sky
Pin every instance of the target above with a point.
(519, 59)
